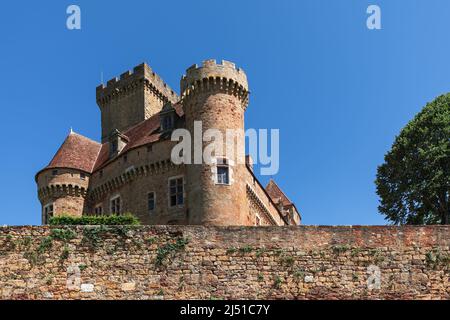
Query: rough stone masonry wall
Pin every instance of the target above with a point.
(170, 262)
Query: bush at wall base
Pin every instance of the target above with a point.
(125, 219)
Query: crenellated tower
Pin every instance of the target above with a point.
(217, 96)
(134, 97)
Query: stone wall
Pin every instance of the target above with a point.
(173, 262)
(133, 188)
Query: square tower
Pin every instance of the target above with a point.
(131, 99)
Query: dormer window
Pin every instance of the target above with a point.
(117, 142)
(167, 117)
(114, 146)
(167, 122)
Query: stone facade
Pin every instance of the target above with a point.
(201, 262)
(134, 159)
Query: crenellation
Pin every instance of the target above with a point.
(139, 73)
(213, 76)
(125, 75)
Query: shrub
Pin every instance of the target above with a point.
(126, 219)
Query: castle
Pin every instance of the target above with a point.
(131, 169)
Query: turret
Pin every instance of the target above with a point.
(217, 95)
(132, 98)
(63, 183)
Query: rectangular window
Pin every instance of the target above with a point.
(223, 172)
(82, 176)
(54, 172)
(98, 210)
(151, 200)
(114, 146)
(48, 212)
(115, 205)
(258, 220)
(176, 197)
(167, 122)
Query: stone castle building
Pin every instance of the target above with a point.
(131, 169)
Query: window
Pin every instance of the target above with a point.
(176, 197)
(167, 122)
(54, 172)
(98, 210)
(114, 146)
(82, 176)
(151, 200)
(115, 205)
(48, 212)
(223, 174)
(149, 148)
(258, 220)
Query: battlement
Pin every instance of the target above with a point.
(129, 79)
(211, 72)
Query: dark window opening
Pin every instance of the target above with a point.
(151, 201)
(99, 210)
(114, 146)
(167, 122)
(115, 205)
(176, 192)
(48, 213)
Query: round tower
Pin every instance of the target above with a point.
(63, 183)
(216, 95)
(62, 191)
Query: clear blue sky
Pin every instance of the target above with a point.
(338, 92)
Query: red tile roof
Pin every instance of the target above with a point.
(79, 152)
(141, 134)
(76, 152)
(277, 195)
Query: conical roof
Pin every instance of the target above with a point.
(76, 152)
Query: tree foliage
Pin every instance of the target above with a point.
(414, 181)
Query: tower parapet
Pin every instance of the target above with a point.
(132, 98)
(211, 75)
(127, 81)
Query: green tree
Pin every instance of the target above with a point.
(414, 181)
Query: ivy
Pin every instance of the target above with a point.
(169, 249)
(435, 258)
(277, 282)
(246, 249)
(62, 234)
